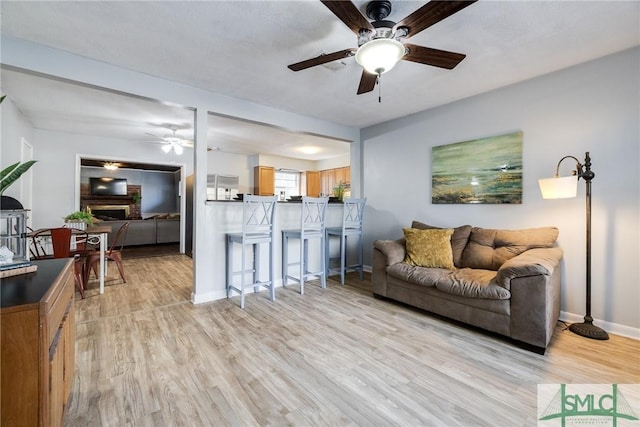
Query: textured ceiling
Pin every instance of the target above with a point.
(241, 48)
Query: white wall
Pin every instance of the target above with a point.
(14, 127)
(336, 162)
(590, 107)
(232, 164)
(55, 175)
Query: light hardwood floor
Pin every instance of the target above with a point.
(146, 356)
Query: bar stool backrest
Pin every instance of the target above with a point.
(352, 213)
(313, 211)
(258, 215)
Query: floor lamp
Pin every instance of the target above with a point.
(559, 188)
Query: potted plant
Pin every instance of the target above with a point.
(79, 219)
(8, 176)
(338, 191)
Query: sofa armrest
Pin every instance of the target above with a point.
(539, 261)
(393, 250)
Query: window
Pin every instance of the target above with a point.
(287, 184)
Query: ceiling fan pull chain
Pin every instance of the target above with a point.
(379, 90)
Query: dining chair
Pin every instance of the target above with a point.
(258, 213)
(62, 242)
(352, 212)
(114, 253)
(312, 226)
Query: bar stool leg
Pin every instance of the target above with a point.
(256, 266)
(285, 258)
(242, 280)
(360, 256)
(229, 247)
(323, 277)
(272, 290)
(304, 245)
(343, 256)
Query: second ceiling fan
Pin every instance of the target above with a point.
(381, 42)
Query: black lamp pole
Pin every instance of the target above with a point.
(587, 328)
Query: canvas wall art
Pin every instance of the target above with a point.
(486, 170)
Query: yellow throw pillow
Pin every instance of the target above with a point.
(429, 248)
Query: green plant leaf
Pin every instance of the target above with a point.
(10, 174)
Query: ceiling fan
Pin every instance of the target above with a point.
(173, 141)
(381, 42)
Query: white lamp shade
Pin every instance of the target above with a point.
(379, 55)
(559, 188)
(178, 149)
(166, 148)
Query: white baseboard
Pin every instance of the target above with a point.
(614, 328)
(208, 297)
(214, 296)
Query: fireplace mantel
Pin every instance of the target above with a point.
(134, 212)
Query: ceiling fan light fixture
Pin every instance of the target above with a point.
(166, 148)
(111, 166)
(178, 149)
(380, 55)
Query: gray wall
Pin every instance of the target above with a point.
(591, 107)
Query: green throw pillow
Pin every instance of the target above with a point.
(429, 248)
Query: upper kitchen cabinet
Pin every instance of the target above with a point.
(332, 177)
(343, 175)
(314, 184)
(264, 178)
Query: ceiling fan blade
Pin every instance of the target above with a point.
(434, 57)
(431, 13)
(321, 59)
(348, 13)
(367, 82)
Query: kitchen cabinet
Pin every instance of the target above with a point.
(264, 180)
(342, 175)
(332, 177)
(37, 325)
(328, 178)
(314, 184)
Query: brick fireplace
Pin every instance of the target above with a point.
(112, 206)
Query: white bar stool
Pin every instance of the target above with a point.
(311, 227)
(352, 213)
(258, 214)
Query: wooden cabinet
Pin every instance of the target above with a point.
(332, 177)
(264, 180)
(314, 184)
(38, 344)
(328, 178)
(341, 175)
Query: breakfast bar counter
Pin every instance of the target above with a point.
(225, 216)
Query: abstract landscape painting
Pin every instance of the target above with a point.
(486, 170)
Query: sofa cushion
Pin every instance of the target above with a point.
(472, 283)
(417, 275)
(429, 248)
(539, 261)
(489, 248)
(458, 240)
(393, 250)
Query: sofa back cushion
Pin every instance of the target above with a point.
(489, 248)
(458, 240)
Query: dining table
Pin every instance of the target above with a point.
(97, 235)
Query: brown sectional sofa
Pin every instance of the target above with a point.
(505, 281)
